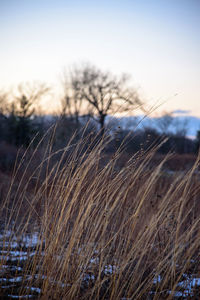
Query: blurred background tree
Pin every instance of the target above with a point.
(98, 93)
(18, 113)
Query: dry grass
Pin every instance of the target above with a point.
(103, 232)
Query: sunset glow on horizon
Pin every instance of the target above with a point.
(156, 42)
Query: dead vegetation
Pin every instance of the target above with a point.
(101, 232)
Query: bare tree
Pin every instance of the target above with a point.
(71, 104)
(181, 126)
(101, 93)
(22, 109)
(27, 97)
(4, 103)
(165, 123)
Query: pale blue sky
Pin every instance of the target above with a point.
(156, 41)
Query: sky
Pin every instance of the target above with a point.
(157, 42)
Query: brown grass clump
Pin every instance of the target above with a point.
(79, 228)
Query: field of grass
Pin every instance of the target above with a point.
(79, 224)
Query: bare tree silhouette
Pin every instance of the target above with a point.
(100, 93)
(22, 110)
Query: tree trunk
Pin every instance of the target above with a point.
(102, 123)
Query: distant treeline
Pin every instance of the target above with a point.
(21, 130)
